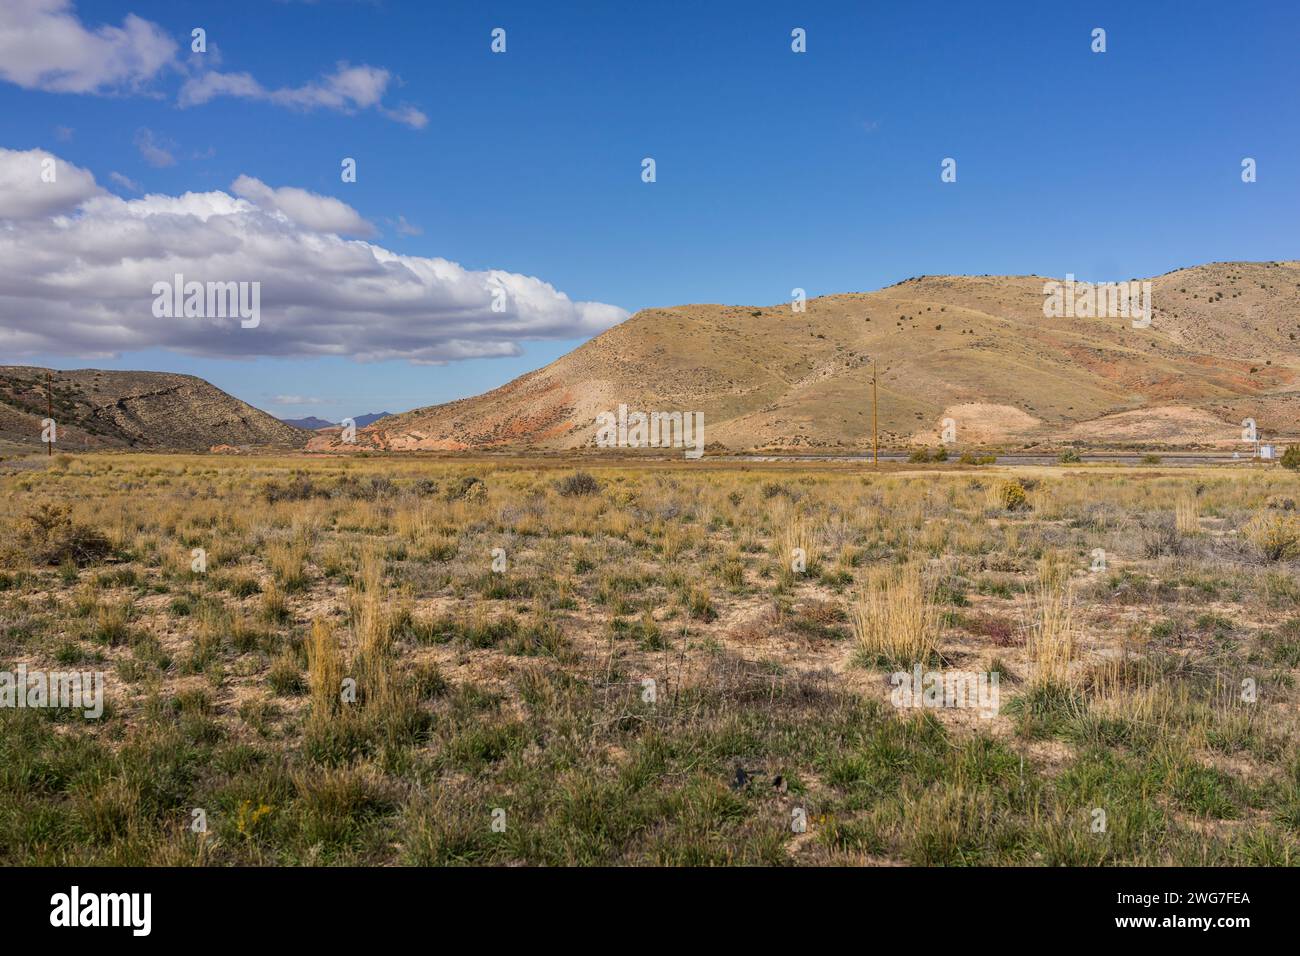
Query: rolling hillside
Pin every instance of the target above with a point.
(1224, 345)
(97, 409)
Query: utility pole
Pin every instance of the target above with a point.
(875, 432)
(49, 409)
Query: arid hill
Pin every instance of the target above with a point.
(1223, 346)
(107, 409)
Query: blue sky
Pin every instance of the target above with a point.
(774, 169)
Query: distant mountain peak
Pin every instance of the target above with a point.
(312, 423)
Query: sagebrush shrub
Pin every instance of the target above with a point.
(51, 537)
(577, 484)
(1276, 535)
(1012, 496)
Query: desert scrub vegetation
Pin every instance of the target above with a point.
(378, 657)
(48, 535)
(1275, 536)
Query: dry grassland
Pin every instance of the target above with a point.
(378, 659)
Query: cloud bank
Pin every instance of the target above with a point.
(78, 265)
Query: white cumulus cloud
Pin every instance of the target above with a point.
(35, 183)
(78, 267)
(44, 46)
(309, 210)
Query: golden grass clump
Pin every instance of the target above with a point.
(895, 617)
(794, 547)
(1050, 639)
(1054, 569)
(374, 643)
(288, 562)
(324, 670)
(1187, 515)
(275, 606)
